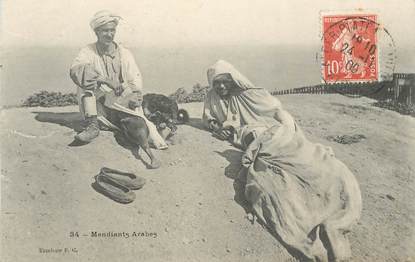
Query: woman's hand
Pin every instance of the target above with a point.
(250, 153)
(225, 133)
(118, 90)
(246, 160)
(214, 125)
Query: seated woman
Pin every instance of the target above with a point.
(298, 189)
(233, 101)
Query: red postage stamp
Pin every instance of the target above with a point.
(350, 50)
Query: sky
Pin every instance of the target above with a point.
(192, 22)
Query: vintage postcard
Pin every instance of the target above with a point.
(207, 130)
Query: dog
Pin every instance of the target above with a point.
(163, 112)
(159, 109)
(133, 129)
(136, 133)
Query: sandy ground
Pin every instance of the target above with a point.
(191, 203)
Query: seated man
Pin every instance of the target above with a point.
(100, 68)
(108, 79)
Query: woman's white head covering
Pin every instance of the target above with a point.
(223, 67)
(103, 17)
(253, 105)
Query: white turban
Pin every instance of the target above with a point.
(103, 17)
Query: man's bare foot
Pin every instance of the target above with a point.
(155, 163)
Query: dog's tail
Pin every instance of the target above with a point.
(182, 116)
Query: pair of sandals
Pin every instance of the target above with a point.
(118, 185)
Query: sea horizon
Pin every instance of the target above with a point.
(26, 70)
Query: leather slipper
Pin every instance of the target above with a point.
(113, 190)
(128, 180)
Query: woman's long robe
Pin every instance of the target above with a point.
(298, 188)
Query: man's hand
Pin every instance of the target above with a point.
(136, 99)
(103, 80)
(133, 104)
(138, 95)
(114, 85)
